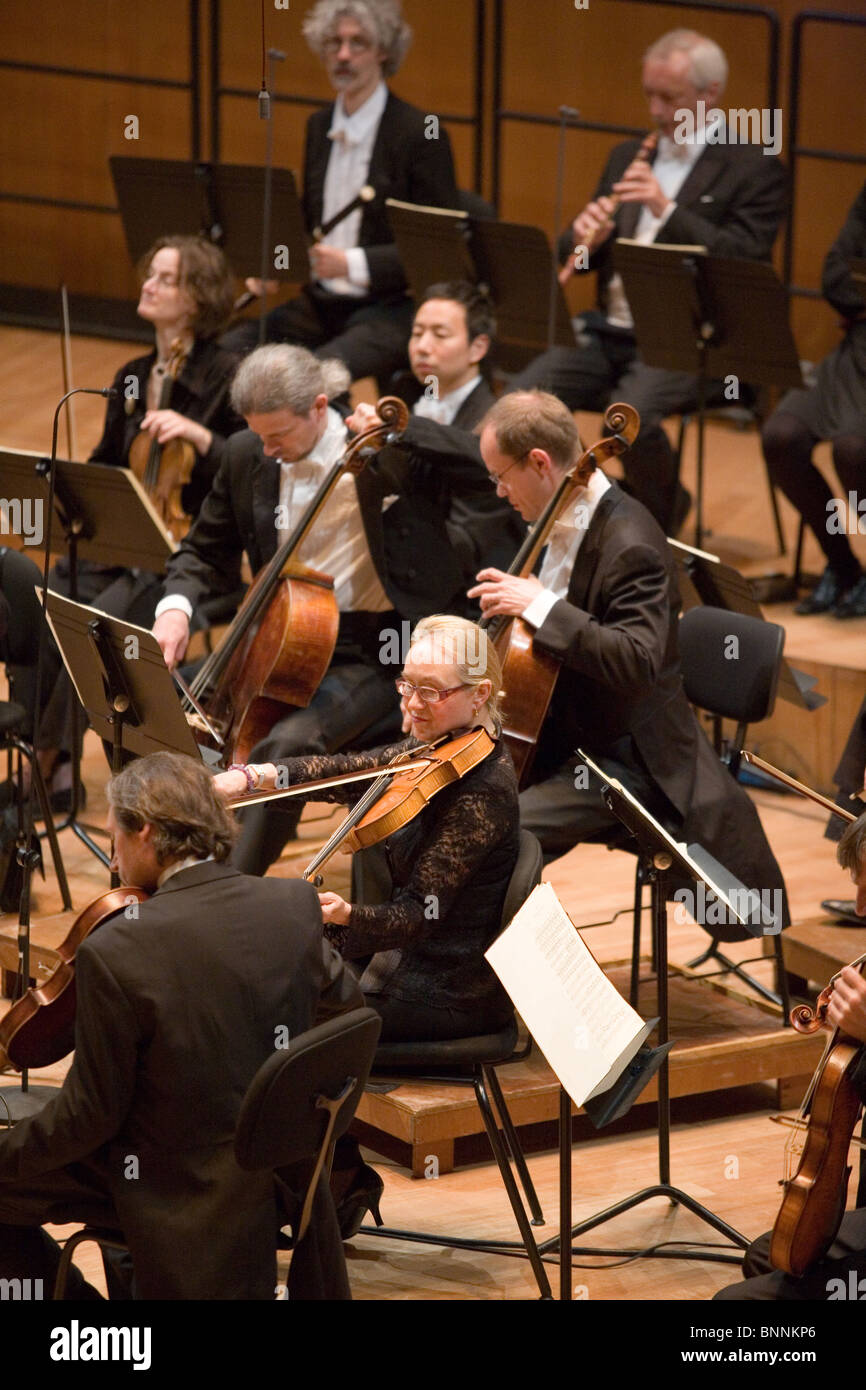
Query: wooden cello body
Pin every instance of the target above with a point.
(281, 659)
(529, 673)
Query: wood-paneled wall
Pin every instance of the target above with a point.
(62, 126)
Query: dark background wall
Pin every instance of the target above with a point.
(72, 70)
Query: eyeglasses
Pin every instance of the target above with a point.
(428, 693)
(496, 478)
(357, 45)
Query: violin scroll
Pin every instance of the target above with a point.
(808, 1020)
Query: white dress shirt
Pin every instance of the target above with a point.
(564, 542)
(671, 167)
(442, 409)
(337, 543)
(352, 140)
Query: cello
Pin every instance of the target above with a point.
(280, 642)
(529, 674)
(816, 1169)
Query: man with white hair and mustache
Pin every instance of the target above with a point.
(355, 306)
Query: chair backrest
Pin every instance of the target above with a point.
(525, 875)
(730, 663)
(280, 1121)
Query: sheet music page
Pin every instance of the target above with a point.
(579, 1020)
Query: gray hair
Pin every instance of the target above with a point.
(281, 377)
(707, 61)
(381, 20)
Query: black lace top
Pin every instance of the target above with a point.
(450, 868)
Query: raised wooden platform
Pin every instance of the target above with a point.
(817, 948)
(723, 1041)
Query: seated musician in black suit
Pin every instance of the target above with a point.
(452, 335)
(839, 1275)
(389, 537)
(708, 190)
(834, 409)
(356, 305)
(606, 605)
(175, 1014)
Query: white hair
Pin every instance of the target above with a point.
(381, 20)
(707, 62)
(282, 377)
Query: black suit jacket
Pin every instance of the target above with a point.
(176, 1012)
(427, 545)
(493, 528)
(616, 634)
(732, 202)
(405, 164)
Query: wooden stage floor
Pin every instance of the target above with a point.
(725, 1151)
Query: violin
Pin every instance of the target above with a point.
(816, 1153)
(816, 1169)
(39, 1028)
(529, 674)
(165, 469)
(280, 642)
(401, 791)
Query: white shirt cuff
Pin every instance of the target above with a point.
(537, 610)
(173, 601)
(358, 271)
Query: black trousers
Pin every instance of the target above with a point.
(605, 366)
(788, 442)
(831, 1278)
(80, 1193)
(369, 335)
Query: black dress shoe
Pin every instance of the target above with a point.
(844, 908)
(825, 595)
(362, 1196)
(852, 604)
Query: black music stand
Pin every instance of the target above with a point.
(221, 202)
(713, 316)
(108, 519)
(705, 579)
(510, 260)
(662, 859)
(120, 676)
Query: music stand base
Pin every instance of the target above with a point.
(674, 1195)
